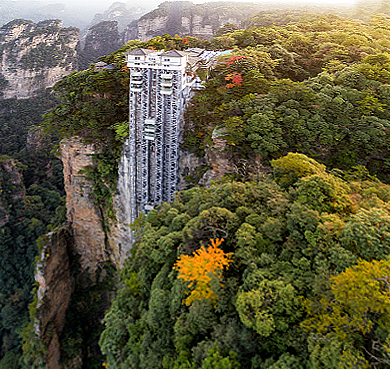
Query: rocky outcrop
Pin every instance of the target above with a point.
(75, 270)
(56, 285)
(203, 26)
(149, 27)
(103, 34)
(83, 215)
(101, 39)
(35, 56)
(217, 159)
(184, 18)
(35, 140)
(189, 169)
(121, 13)
(94, 235)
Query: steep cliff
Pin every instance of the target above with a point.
(75, 273)
(187, 19)
(35, 56)
(94, 234)
(101, 39)
(121, 13)
(56, 285)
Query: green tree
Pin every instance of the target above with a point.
(288, 169)
(359, 311)
(367, 234)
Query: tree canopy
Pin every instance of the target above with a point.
(288, 245)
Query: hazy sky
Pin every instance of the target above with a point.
(84, 10)
(103, 5)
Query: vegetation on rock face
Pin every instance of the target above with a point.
(102, 39)
(47, 45)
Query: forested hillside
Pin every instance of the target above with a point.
(282, 263)
(289, 242)
(318, 87)
(31, 204)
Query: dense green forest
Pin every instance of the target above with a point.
(300, 279)
(306, 244)
(287, 236)
(32, 202)
(317, 87)
(294, 234)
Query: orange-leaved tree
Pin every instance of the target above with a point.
(199, 269)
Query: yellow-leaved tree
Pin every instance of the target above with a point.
(355, 317)
(199, 269)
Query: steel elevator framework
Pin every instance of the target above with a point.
(160, 84)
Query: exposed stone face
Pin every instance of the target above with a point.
(83, 215)
(9, 166)
(35, 140)
(106, 31)
(145, 29)
(188, 165)
(218, 158)
(92, 243)
(101, 39)
(35, 56)
(56, 285)
(190, 20)
(148, 28)
(205, 28)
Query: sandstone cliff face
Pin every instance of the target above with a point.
(56, 285)
(75, 270)
(204, 27)
(84, 217)
(105, 32)
(185, 18)
(35, 56)
(148, 28)
(121, 13)
(101, 39)
(197, 26)
(217, 158)
(93, 243)
(189, 164)
(217, 162)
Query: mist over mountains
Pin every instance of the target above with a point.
(86, 14)
(80, 15)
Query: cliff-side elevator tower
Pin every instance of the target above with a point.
(160, 83)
